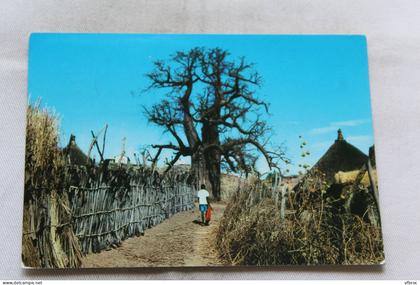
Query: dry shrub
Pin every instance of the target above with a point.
(362, 242)
(252, 233)
(253, 237)
(229, 185)
(48, 239)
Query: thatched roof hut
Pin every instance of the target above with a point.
(74, 155)
(339, 186)
(341, 156)
(338, 173)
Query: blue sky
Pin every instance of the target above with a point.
(314, 84)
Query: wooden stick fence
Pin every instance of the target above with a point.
(96, 208)
(116, 205)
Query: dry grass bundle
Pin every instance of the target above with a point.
(320, 231)
(43, 159)
(349, 177)
(48, 239)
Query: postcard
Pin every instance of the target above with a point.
(153, 150)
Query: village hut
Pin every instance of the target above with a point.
(341, 161)
(341, 156)
(341, 176)
(74, 155)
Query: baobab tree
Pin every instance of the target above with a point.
(212, 113)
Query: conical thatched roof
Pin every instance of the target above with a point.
(74, 154)
(341, 156)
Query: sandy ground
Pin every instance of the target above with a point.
(175, 242)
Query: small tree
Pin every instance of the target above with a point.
(212, 113)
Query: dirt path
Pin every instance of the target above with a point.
(175, 242)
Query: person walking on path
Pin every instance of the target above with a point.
(203, 203)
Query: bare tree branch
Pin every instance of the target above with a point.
(172, 162)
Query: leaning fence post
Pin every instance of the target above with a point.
(283, 202)
(372, 182)
(375, 191)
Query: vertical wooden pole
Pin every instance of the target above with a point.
(283, 202)
(375, 192)
(372, 182)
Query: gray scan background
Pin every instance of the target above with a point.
(392, 29)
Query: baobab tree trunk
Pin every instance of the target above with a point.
(199, 169)
(206, 169)
(206, 162)
(212, 159)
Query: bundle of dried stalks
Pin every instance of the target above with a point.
(48, 240)
(43, 159)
